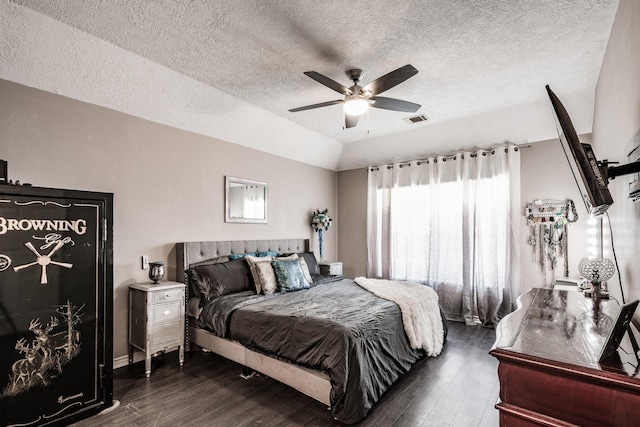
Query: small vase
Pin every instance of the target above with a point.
(156, 271)
(321, 241)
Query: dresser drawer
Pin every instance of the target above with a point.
(160, 297)
(166, 312)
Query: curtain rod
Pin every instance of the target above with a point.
(451, 156)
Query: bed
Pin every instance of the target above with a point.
(333, 340)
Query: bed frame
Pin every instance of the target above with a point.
(315, 384)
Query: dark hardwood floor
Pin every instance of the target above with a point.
(458, 388)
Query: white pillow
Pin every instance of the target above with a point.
(259, 276)
(267, 277)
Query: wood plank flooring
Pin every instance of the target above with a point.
(458, 388)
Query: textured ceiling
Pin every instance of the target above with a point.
(473, 56)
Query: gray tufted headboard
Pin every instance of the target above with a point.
(188, 253)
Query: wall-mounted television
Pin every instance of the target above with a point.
(591, 176)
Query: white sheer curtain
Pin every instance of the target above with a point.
(253, 202)
(451, 223)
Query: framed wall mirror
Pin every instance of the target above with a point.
(245, 200)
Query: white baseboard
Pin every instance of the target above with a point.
(122, 361)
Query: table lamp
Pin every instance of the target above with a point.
(596, 271)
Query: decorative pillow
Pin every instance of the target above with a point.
(194, 291)
(218, 260)
(194, 307)
(305, 270)
(240, 256)
(289, 275)
(303, 265)
(255, 273)
(214, 280)
(311, 261)
(268, 253)
(288, 257)
(267, 276)
(193, 288)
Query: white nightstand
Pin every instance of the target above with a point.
(330, 268)
(156, 319)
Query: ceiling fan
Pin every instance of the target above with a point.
(357, 99)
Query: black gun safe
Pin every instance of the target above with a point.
(56, 296)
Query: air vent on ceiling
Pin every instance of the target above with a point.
(418, 119)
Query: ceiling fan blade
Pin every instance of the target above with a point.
(330, 83)
(350, 121)
(322, 104)
(394, 104)
(390, 80)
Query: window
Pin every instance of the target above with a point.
(448, 225)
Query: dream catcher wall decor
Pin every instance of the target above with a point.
(548, 222)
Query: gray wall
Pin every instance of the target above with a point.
(545, 174)
(616, 124)
(352, 209)
(168, 184)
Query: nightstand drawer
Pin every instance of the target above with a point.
(166, 296)
(165, 334)
(332, 268)
(166, 312)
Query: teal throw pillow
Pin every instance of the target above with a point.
(240, 256)
(268, 253)
(289, 275)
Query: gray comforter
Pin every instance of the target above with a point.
(337, 327)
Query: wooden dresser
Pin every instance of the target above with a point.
(548, 364)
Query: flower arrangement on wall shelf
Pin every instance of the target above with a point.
(320, 222)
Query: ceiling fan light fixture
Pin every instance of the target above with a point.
(356, 106)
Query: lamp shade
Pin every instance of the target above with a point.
(596, 269)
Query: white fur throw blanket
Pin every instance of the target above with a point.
(419, 307)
